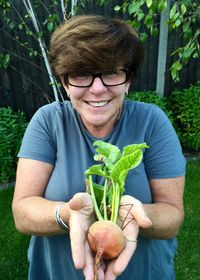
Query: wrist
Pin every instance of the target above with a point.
(59, 220)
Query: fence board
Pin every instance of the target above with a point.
(25, 84)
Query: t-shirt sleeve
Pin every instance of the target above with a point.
(38, 142)
(164, 157)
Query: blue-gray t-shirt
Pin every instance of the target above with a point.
(56, 135)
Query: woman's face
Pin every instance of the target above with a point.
(99, 106)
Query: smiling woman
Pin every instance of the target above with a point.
(97, 91)
(96, 59)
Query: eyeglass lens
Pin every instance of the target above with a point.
(111, 78)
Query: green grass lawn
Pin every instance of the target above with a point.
(13, 245)
(188, 255)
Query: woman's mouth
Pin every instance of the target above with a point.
(97, 103)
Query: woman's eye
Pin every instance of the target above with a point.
(109, 73)
(80, 76)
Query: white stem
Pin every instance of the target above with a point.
(73, 3)
(63, 8)
(42, 45)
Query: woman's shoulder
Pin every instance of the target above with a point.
(55, 106)
(51, 110)
(143, 109)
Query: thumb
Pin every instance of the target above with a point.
(81, 201)
(135, 210)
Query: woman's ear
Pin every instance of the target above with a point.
(63, 81)
(64, 84)
(128, 83)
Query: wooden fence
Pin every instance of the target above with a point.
(25, 85)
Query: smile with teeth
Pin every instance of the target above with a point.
(97, 104)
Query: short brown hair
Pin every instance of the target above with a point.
(94, 43)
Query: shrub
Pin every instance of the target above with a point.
(152, 97)
(185, 105)
(12, 127)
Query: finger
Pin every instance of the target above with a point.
(136, 210)
(110, 275)
(89, 265)
(88, 270)
(101, 275)
(130, 234)
(124, 257)
(81, 200)
(77, 237)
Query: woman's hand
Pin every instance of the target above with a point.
(81, 217)
(131, 217)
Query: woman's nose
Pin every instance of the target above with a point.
(97, 86)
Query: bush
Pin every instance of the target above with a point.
(185, 105)
(12, 127)
(152, 97)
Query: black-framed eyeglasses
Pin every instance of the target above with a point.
(110, 78)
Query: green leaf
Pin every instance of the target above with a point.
(183, 9)
(7, 58)
(108, 163)
(178, 22)
(20, 26)
(50, 26)
(11, 25)
(129, 149)
(154, 31)
(95, 170)
(149, 3)
(172, 11)
(140, 16)
(126, 163)
(187, 52)
(133, 8)
(143, 36)
(162, 5)
(178, 65)
(108, 150)
(117, 8)
(149, 21)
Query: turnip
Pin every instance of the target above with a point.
(105, 236)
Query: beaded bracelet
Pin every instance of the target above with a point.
(59, 220)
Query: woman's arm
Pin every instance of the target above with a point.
(32, 213)
(159, 220)
(167, 211)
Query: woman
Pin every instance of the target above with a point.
(97, 59)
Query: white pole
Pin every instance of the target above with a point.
(73, 3)
(162, 51)
(30, 11)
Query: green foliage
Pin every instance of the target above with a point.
(12, 127)
(185, 105)
(184, 17)
(5, 4)
(113, 169)
(182, 108)
(4, 61)
(152, 97)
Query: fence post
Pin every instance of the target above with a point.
(162, 51)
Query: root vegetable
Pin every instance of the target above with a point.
(106, 239)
